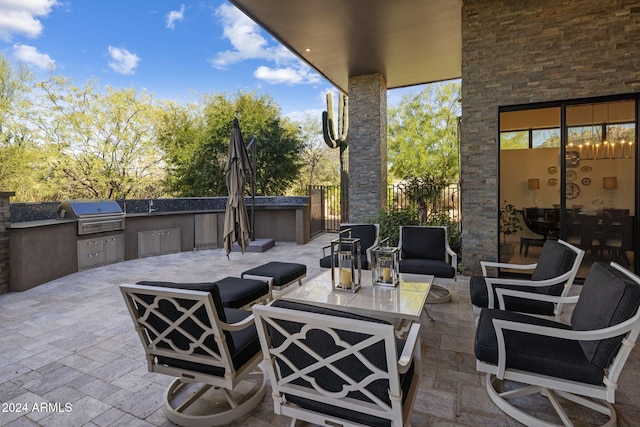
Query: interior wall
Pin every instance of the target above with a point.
(518, 166)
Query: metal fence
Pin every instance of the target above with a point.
(325, 202)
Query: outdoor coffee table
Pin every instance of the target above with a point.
(399, 304)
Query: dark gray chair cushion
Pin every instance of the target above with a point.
(281, 272)
(325, 345)
(242, 345)
(480, 298)
(236, 292)
(555, 357)
(608, 297)
(423, 243)
(427, 266)
(555, 260)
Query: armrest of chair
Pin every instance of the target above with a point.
(324, 248)
(411, 346)
(485, 264)
(500, 326)
(238, 326)
(454, 260)
(491, 281)
(502, 292)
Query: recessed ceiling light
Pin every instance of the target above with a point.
(307, 50)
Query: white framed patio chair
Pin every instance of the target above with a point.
(213, 352)
(552, 275)
(577, 364)
(335, 368)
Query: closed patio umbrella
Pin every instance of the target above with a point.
(236, 220)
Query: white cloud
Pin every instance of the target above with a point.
(286, 75)
(30, 55)
(21, 17)
(175, 16)
(248, 44)
(122, 61)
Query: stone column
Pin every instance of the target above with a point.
(367, 146)
(5, 220)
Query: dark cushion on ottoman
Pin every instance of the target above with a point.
(426, 266)
(321, 342)
(531, 352)
(601, 306)
(281, 272)
(479, 298)
(236, 292)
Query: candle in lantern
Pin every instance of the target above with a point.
(386, 274)
(345, 277)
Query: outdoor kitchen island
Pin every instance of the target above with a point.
(44, 246)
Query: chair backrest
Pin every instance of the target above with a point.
(180, 328)
(610, 295)
(528, 231)
(557, 258)
(423, 242)
(331, 362)
(367, 233)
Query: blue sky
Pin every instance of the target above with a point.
(174, 49)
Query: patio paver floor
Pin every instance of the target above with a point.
(69, 355)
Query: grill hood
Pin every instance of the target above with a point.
(88, 208)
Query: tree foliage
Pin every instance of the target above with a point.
(423, 133)
(23, 161)
(321, 164)
(104, 141)
(197, 144)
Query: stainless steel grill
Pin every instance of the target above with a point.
(94, 216)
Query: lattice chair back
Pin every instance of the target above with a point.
(335, 368)
(188, 334)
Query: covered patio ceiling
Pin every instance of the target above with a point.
(409, 42)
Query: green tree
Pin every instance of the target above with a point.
(423, 133)
(23, 159)
(105, 141)
(321, 164)
(202, 172)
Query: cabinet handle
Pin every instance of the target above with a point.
(110, 240)
(95, 242)
(92, 255)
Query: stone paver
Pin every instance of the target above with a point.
(70, 357)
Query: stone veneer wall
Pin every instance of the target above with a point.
(517, 52)
(367, 146)
(5, 220)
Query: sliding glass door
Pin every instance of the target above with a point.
(569, 170)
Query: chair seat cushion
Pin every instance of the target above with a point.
(282, 273)
(480, 298)
(236, 292)
(427, 266)
(325, 262)
(532, 353)
(326, 378)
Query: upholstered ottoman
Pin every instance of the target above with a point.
(282, 274)
(234, 292)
